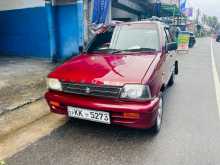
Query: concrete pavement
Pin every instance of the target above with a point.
(190, 133)
(22, 81)
(22, 86)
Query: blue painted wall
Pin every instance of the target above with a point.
(69, 29)
(24, 32)
(42, 31)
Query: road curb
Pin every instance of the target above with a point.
(22, 116)
(8, 110)
(25, 125)
(20, 139)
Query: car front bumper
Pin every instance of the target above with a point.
(147, 111)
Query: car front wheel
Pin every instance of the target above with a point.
(156, 128)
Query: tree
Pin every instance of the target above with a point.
(213, 22)
(217, 27)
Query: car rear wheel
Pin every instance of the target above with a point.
(156, 128)
(176, 69)
(171, 81)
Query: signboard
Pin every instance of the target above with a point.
(100, 11)
(183, 41)
(182, 5)
(188, 12)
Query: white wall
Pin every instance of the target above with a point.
(20, 4)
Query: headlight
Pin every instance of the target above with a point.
(136, 92)
(54, 84)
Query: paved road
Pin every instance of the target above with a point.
(190, 133)
(216, 48)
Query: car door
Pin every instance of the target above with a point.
(170, 55)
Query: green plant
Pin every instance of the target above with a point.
(2, 162)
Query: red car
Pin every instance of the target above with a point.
(119, 79)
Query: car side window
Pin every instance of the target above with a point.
(168, 36)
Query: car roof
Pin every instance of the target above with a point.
(157, 23)
(143, 22)
(118, 23)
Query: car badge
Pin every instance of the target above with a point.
(82, 81)
(88, 90)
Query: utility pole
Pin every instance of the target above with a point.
(158, 8)
(51, 29)
(86, 11)
(197, 16)
(198, 27)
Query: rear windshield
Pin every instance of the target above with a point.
(128, 37)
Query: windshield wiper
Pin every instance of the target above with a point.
(141, 49)
(133, 50)
(106, 50)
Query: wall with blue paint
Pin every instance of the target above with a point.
(31, 28)
(24, 31)
(69, 28)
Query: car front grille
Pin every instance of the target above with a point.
(92, 90)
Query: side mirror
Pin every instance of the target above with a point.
(171, 46)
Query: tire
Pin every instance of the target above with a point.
(71, 119)
(157, 126)
(191, 45)
(176, 69)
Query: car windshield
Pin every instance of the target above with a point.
(129, 37)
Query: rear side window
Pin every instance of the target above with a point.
(169, 38)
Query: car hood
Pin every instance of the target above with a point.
(105, 69)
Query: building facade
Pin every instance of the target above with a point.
(54, 29)
(129, 10)
(41, 28)
(170, 2)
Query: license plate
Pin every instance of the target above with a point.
(86, 114)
